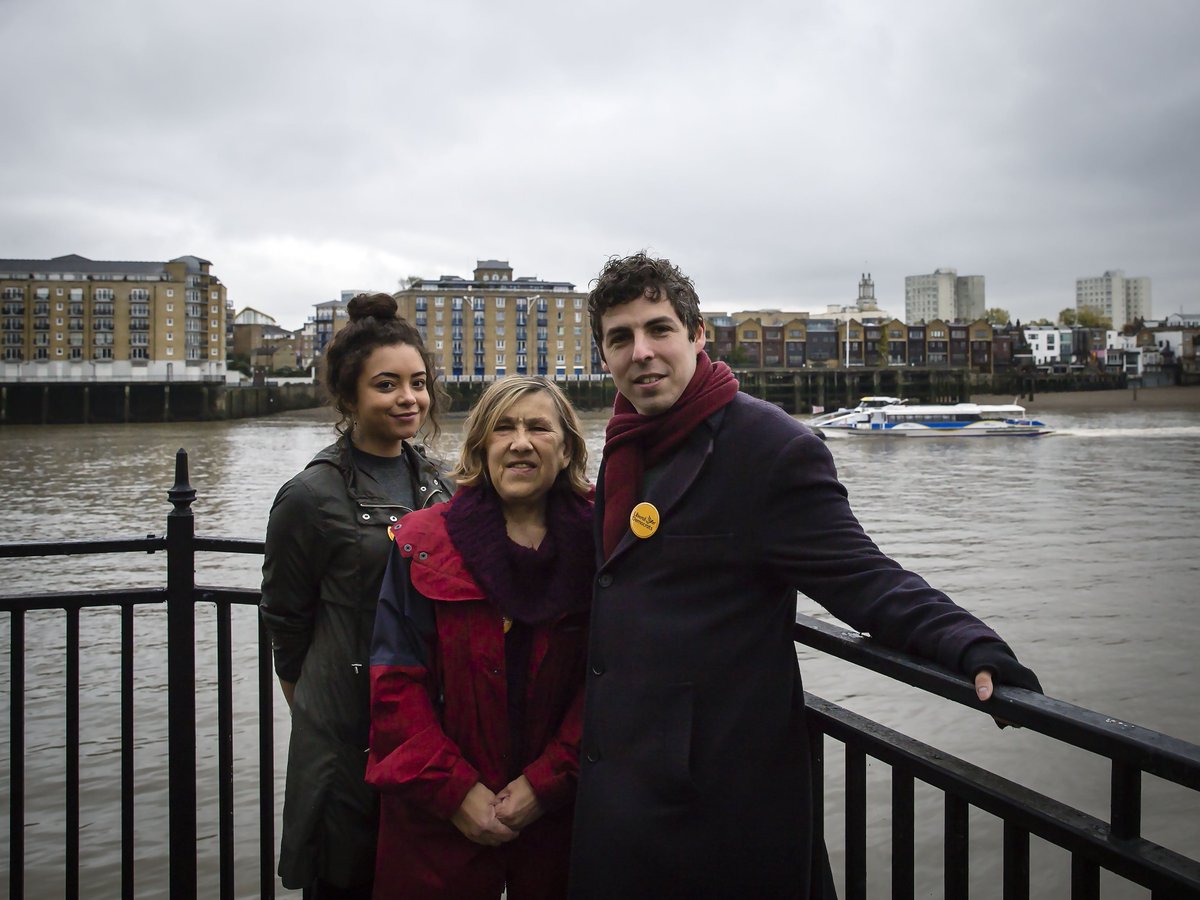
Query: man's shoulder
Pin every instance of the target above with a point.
(749, 415)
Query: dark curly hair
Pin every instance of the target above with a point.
(626, 278)
(373, 324)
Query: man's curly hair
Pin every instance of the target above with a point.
(626, 278)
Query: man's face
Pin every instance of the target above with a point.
(649, 353)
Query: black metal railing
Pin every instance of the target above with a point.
(1115, 845)
(180, 598)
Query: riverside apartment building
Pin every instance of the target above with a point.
(72, 318)
(494, 324)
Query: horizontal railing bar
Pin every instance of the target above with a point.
(227, 545)
(1140, 861)
(1159, 754)
(219, 595)
(148, 544)
(122, 597)
(82, 599)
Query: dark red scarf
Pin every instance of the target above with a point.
(634, 443)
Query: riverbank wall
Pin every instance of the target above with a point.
(798, 392)
(65, 403)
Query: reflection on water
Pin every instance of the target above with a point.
(1082, 549)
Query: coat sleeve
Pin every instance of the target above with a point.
(410, 754)
(554, 774)
(815, 541)
(292, 569)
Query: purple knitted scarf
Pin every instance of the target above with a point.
(531, 586)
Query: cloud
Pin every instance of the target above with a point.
(775, 150)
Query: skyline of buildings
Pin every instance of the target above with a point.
(140, 319)
(151, 320)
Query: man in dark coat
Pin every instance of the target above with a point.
(713, 509)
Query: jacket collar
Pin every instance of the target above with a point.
(427, 474)
(435, 567)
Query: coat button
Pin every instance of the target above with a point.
(408, 548)
(422, 555)
(394, 518)
(593, 756)
(366, 516)
(597, 669)
(495, 671)
(423, 489)
(604, 580)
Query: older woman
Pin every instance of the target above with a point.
(477, 661)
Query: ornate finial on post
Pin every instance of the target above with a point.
(181, 493)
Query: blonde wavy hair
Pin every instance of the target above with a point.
(497, 400)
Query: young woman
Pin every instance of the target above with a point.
(477, 661)
(327, 546)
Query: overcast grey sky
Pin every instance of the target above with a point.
(774, 150)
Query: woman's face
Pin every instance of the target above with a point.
(392, 399)
(526, 451)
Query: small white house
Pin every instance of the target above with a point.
(1049, 344)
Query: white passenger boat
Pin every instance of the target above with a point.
(889, 416)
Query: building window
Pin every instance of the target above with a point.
(170, 292)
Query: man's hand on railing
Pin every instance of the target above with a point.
(984, 659)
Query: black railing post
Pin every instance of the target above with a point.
(181, 682)
(266, 765)
(16, 756)
(1126, 802)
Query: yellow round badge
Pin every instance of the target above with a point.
(643, 521)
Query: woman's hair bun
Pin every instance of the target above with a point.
(377, 306)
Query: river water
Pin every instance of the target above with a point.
(1082, 549)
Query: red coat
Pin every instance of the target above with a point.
(439, 724)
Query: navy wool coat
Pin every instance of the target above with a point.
(694, 773)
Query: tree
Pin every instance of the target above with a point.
(997, 315)
(1084, 318)
(409, 280)
(737, 358)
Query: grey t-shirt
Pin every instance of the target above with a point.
(392, 473)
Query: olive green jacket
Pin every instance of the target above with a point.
(327, 546)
